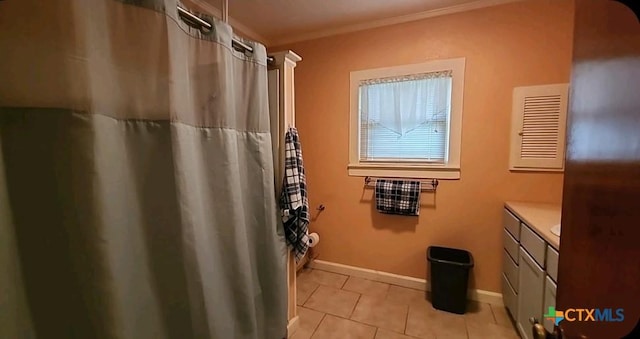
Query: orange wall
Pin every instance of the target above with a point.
(523, 43)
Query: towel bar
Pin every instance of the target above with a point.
(428, 185)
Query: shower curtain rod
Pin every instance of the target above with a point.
(237, 44)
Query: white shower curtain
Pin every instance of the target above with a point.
(136, 177)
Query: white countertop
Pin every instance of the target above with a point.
(539, 217)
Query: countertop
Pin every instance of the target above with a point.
(539, 217)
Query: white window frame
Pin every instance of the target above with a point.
(451, 168)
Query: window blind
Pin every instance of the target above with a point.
(405, 119)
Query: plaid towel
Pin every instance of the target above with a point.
(293, 200)
(398, 197)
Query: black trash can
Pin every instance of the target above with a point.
(449, 278)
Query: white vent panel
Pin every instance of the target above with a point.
(538, 127)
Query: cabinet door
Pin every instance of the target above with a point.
(549, 301)
(530, 293)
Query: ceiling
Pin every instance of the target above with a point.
(275, 22)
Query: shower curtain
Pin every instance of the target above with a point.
(136, 176)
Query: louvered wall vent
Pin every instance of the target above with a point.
(538, 127)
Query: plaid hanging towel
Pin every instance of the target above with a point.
(398, 197)
(294, 204)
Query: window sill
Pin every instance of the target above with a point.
(404, 171)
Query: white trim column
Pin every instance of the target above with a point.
(282, 116)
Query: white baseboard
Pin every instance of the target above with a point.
(399, 280)
(292, 326)
(493, 298)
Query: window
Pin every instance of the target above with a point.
(406, 121)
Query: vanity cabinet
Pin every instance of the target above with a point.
(510, 262)
(531, 297)
(549, 301)
(530, 264)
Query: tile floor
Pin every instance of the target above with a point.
(335, 306)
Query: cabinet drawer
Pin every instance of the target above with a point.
(533, 244)
(552, 263)
(510, 298)
(511, 223)
(511, 245)
(510, 270)
(549, 301)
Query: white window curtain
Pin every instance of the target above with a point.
(405, 118)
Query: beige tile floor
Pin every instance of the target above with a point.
(335, 306)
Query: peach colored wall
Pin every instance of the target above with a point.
(523, 43)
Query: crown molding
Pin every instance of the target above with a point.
(285, 56)
(292, 38)
(238, 27)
